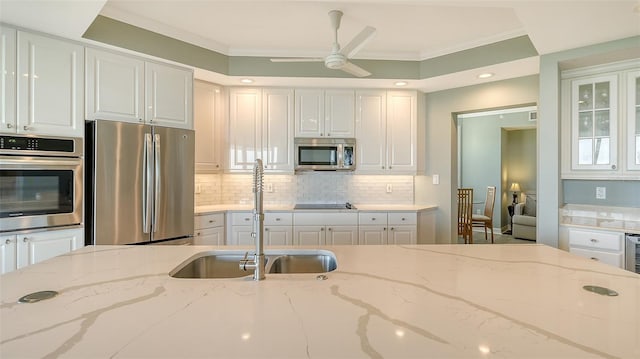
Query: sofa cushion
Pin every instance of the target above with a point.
(524, 220)
(529, 206)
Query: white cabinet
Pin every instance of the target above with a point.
(260, 123)
(240, 229)
(633, 120)
(388, 228)
(325, 228)
(8, 253)
(8, 85)
(209, 229)
(19, 250)
(600, 120)
(602, 246)
(324, 113)
(126, 88)
(278, 228)
(168, 95)
(207, 124)
(386, 131)
(47, 97)
(114, 86)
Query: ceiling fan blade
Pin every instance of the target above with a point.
(358, 42)
(297, 59)
(355, 70)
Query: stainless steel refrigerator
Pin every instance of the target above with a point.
(139, 184)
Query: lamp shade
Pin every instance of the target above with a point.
(515, 187)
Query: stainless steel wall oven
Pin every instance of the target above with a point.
(41, 182)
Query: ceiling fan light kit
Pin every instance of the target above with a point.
(339, 58)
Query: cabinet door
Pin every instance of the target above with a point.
(309, 113)
(278, 235)
(114, 87)
(8, 254)
(206, 103)
(402, 131)
(372, 235)
(402, 235)
(277, 129)
(7, 80)
(241, 236)
(37, 247)
(336, 235)
(594, 123)
(633, 120)
(308, 235)
(50, 89)
(209, 236)
(168, 96)
(371, 130)
(244, 127)
(339, 110)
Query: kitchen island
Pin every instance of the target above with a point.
(427, 301)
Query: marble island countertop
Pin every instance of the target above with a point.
(437, 301)
(276, 208)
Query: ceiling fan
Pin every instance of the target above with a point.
(338, 59)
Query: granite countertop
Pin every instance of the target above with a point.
(622, 219)
(437, 301)
(276, 208)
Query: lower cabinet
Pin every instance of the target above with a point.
(22, 249)
(209, 229)
(601, 246)
(278, 228)
(388, 228)
(325, 228)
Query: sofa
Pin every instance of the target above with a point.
(524, 219)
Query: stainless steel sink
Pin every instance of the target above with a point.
(225, 263)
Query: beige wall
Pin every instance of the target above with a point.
(441, 140)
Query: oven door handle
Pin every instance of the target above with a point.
(25, 162)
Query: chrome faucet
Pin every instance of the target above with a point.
(258, 263)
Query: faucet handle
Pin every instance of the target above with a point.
(244, 261)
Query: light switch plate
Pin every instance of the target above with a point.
(389, 188)
(436, 179)
(601, 192)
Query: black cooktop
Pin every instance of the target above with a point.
(324, 206)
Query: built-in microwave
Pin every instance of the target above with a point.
(325, 154)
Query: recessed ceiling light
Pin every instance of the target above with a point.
(485, 75)
(401, 83)
(246, 81)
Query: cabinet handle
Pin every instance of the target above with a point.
(9, 125)
(373, 219)
(277, 219)
(384, 228)
(26, 128)
(211, 221)
(594, 259)
(139, 120)
(266, 229)
(593, 240)
(402, 219)
(197, 234)
(247, 219)
(392, 228)
(25, 239)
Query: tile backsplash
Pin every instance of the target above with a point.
(308, 187)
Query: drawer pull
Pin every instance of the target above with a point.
(277, 219)
(266, 229)
(211, 221)
(593, 240)
(373, 219)
(247, 219)
(594, 259)
(403, 219)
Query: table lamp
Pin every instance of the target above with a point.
(515, 188)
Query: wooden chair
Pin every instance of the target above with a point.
(486, 219)
(465, 211)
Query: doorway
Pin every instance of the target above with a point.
(498, 148)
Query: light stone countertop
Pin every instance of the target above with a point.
(275, 208)
(436, 301)
(622, 219)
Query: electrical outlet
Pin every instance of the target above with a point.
(268, 187)
(436, 179)
(601, 192)
(389, 188)
(198, 188)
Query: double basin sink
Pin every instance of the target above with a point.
(226, 263)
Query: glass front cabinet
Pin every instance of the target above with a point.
(601, 122)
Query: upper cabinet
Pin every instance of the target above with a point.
(386, 131)
(114, 87)
(633, 120)
(260, 126)
(324, 113)
(599, 122)
(207, 106)
(47, 97)
(125, 88)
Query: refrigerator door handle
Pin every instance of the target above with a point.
(156, 209)
(146, 184)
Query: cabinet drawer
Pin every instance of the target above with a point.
(278, 219)
(341, 219)
(614, 259)
(242, 218)
(372, 218)
(209, 220)
(400, 218)
(595, 239)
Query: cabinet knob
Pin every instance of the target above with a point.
(8, 241)
(26, 128)
(321, 229)
(594, 259)
(382, 167)
(328, 135)
(266, 229)
(217, 166)
(593, 240)
(9, 125)
(402, 219)
(25, 239)
(392, 228)
(322, 134)
(389, 167)
(211, 221)
(139, 120)
(197, 234)
(613, 167)
(373, 219)
(328, 229)
(384, 228)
